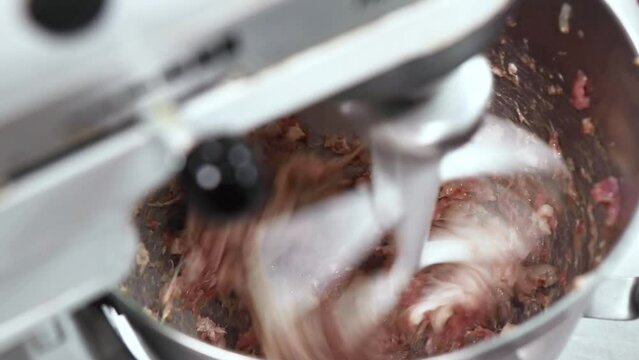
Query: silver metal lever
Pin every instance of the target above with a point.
(615, 299)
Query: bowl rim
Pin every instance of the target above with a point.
(627, 16)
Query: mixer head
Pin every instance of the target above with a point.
(99, 113)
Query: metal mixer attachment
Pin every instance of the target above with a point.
(299, 257)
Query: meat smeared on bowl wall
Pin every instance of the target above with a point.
(191, 274)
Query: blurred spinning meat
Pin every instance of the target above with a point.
(445, 307)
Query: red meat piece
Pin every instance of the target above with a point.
(580, 92)
(606, 193)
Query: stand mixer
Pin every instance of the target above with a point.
(102, 102)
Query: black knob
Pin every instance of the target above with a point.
(222, 179)
(65, 16)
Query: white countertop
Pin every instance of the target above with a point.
(608, 340)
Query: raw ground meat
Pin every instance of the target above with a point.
(606, 193)
(580, 92)
(485, 299)
(210, 332)
(338, 144)
(587, 127)
(554, 143)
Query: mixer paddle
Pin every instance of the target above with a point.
(500, 148)
(300, 257)
(315, 245)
